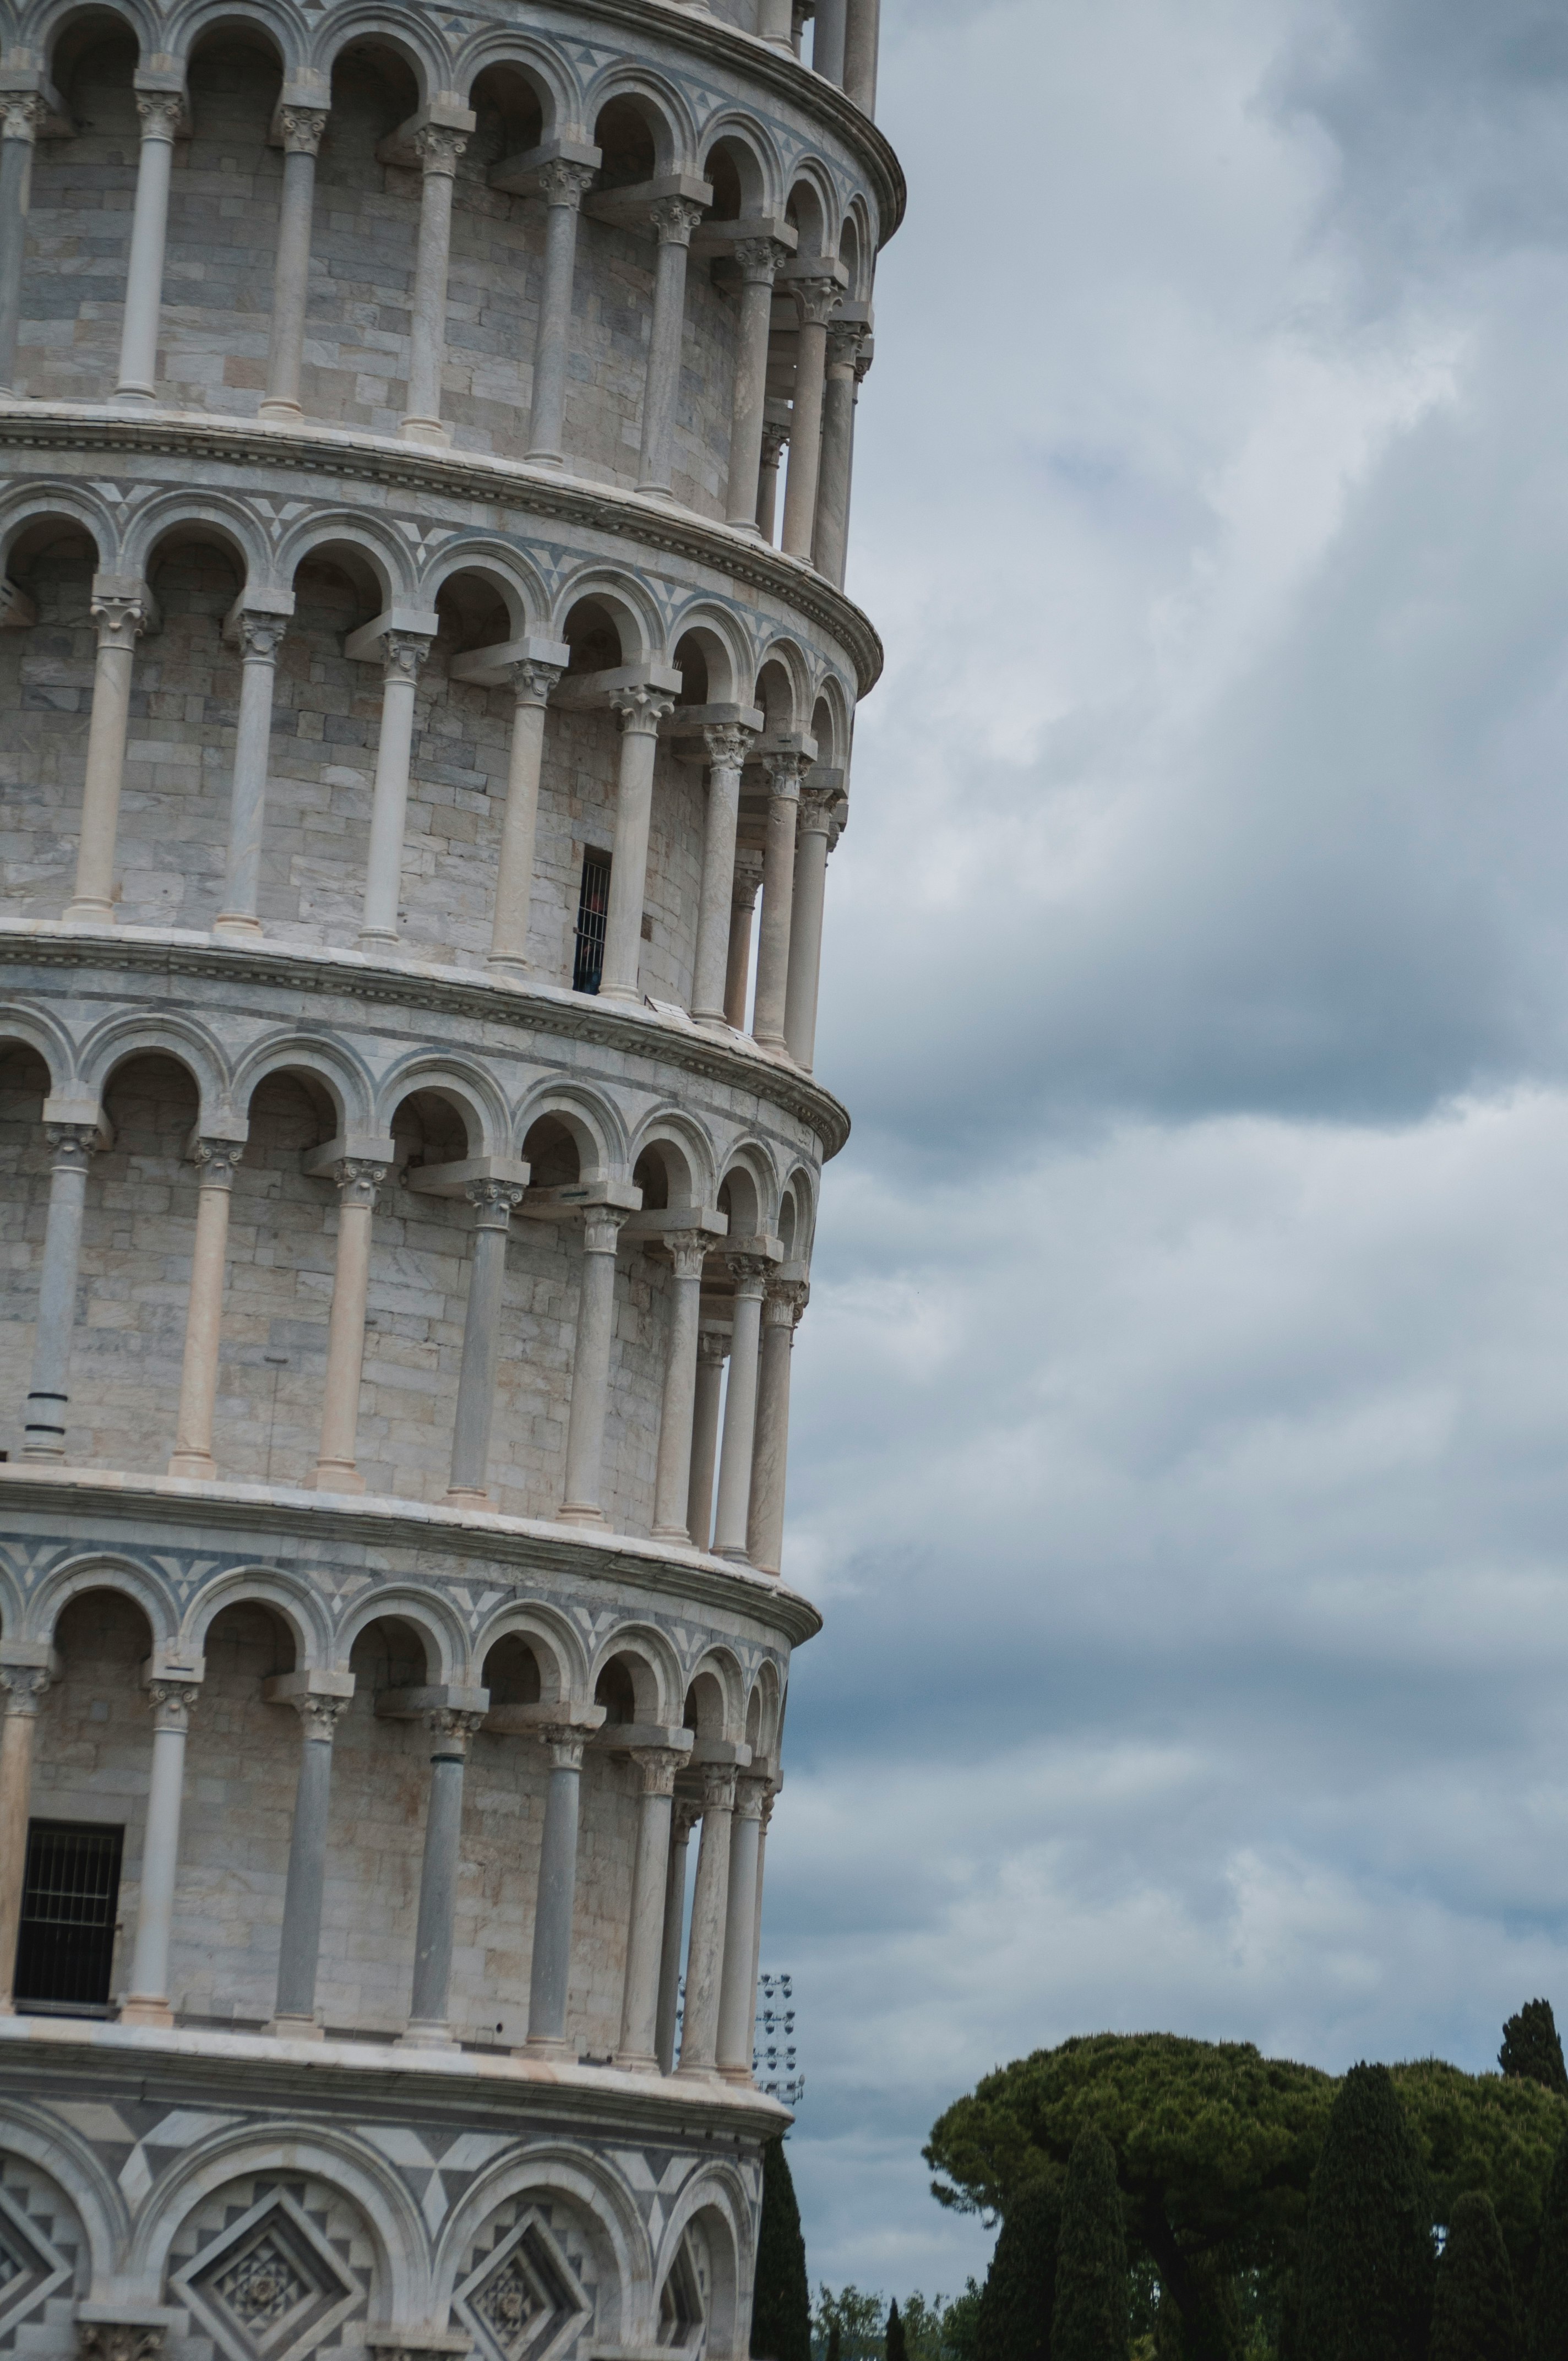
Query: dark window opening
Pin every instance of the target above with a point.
(66, 1947)
(592, 913)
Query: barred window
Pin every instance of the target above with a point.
(593, 910)
(66, 1947)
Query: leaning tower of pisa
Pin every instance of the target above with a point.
(426, 690)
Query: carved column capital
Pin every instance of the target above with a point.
(162, 113)
(23, 1687)
(786, 773)
(718, 1787)
(451, 1728)
(712, 1348)
(750, 1273)
(121, 619)
(218, 1160)
(787, 1299)
(319, 1717)
(601, 1228)
(845, 338)
(658, 1765)
(749, 1797)
(674, 218)
(816, 299)
(494, 1203)
(760, 259)
(439, 149)
(72, 1145)
(641, 709)
(22, 114)
(172, 1703)
(119, 2340)
(685, 1817)
(260, 637)
(532, 683)
(728, 747)
(750, 862)
(358, 1181)
(302, 129)
(688, 1252)
(564, 1746)
(774, 438)
(403, 655)
(562, 183)
(817, 810)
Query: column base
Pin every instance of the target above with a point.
(728, 1549)
(678, 1533)
(426, 430)
(627, 991)
(132, 397)
(656, 491)
(684, 2073)
(512, 963)
(738, 2076)
(294, 2029)
(281, 413)
(771, 1041)
(86, 911)
(548, 2044)
(713, 1019)
(638, 2065)
(747, 525)
(427, 2033)
(196, 1466)
(467, 1495)
(143, 2008)
(572, 1513)
(43, 1455)
(234, 924)
(544, 459)
(378, 939)
(335, 1475)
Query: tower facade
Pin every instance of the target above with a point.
(426, 690)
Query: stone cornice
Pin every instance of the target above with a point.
(786, 75)
(526, 1545)
(188, 958)
(453, 475)
(349, 2078)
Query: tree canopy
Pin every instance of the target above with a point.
(1532, 2051)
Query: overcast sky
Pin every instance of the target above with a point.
(1182, 1432)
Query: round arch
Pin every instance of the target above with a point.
(649, 1647)
(463, 1083)
(198, 22)
(562, 1664)
(673, 1127)
(518, 584)
(408, 35)
(337, 533)
(726, 653)
(663, 106)
(166, 1034)
(230, 524)
(594, 1121)
(540, 62)
(25, 505)
(722, 1666)
(749, 1176)
(44, 27)
(576, 2174)
(785, 698)
(37, 1030)
(58, 2148)
(339, 1070)
(631, 611)
(749, 143)
(290, 1598)
(716, 2200)
(431, 1618)
(104, 1570)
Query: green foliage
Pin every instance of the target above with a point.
(1489, 2132)
(1532, 2051)
(1475, 2317)
(896, 2348)
(1089, 2318)
(1549, 2300)
(780, 2309)
(1013, 2319)
(835, 2342)
(858, 2319)
(1367, 2262)
(957, 2326)
(850, 2326)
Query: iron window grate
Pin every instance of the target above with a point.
(593, 912)
(66, 1946)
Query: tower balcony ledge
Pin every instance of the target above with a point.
(377, 1526)
(76, 2056)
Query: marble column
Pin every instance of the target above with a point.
(162, 113)
(739, 1408)
(748, 866)
(494, 1203)
(21, 113)
(861, 36)
(514, 880)
(712, 1349)
(303, 127)
(450, 1732)
(674, 219)
(816, 300)
(637, 2051)
(785, 1301)
(564, 187)
(71, 1146)
(23, 1686)
(704, 1953)
(813, 830)
(840, 389)
(217, 1161)
(774, 440)
(260, 638)
(785, 775)
(298, 1950)
(121, 615)
(590, 1368)
(146, 2003)
(716, 902)
(759, 258)
(737, 1992)
(403, 655)
(337, 1469)
(672, 1489)
(439, 150)
(827, 42)
(770, 1798)
(684, 1817)
(549, 1974)
(640, 710)
(776, 23)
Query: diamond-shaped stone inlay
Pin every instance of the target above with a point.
(12, 2267)
(524, 2300)
(270, 2288)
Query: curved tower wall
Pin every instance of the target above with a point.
(426, 694)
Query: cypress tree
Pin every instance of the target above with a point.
(1367, 2263)
(1089, 2318)
(897, 2350)
(781, 2308)
(1475, 2317)
(1548, 2302)
(1014, 2320)
(835, 2342)
(1532, 2051)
